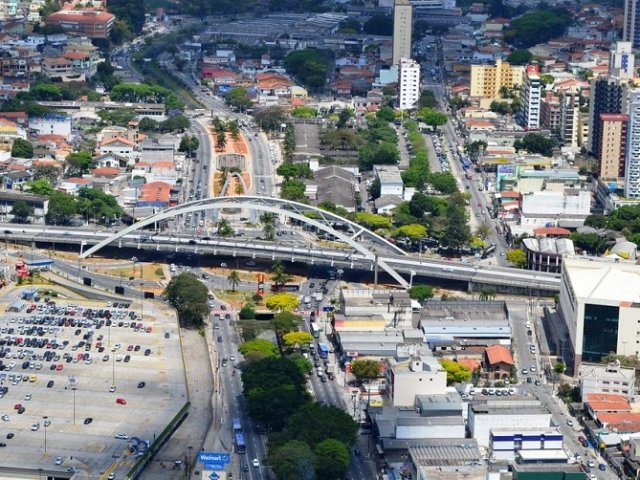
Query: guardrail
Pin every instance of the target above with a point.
(158, 441)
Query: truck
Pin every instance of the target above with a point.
(331, 370)
(317, 296)
(307, 300)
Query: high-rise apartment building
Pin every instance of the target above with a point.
(622, 61)
(530, 94)
(607, 96)
(550, 112)
(631, 27)
(613, 144)
(487, 80)
(570, 119)
(632, 163)
(409, 85)
(402, 19)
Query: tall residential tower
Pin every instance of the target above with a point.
(402, 19)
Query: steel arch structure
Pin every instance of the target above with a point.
(320, 219)
(227, 181)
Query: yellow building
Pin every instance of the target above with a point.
(486, 80)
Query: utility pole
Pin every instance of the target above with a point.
(375, 271)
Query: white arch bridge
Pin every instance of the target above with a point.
(307, 214)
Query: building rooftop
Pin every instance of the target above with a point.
(507, 406)
(430, 404)
(498, 354)
(610, 371)
(379, 298)
(465, 318)
(602, 280)
(607, 402)
(447, 452)
(388, 173)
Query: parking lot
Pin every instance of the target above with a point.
(78, 374)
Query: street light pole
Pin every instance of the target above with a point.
(113, 369)
(45, 418)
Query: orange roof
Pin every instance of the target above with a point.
(621, 422)
(51, 137)
(607, 401)
(118, 139)
(155, 192)
(509, 194)
(83, 181)
(551, 231)
(75, 55)
(297, 102)
(498, 354)
(477, 122)
(471, 363)
(163, 164)
(107, 171)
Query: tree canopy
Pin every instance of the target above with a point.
(260, 345)
(298, 338)
(520, 56)
(421, 292)
(310, 66)
(456, 373)
(22, 148)
(188, 296)
(538, 26)
(238, 98)
(365, 369)
(517, 257)
(282, 302)
(379, 25)
(536, 143)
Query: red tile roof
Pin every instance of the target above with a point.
(551, 231)
(498, 354)
(608, 402)
(155, 192)
(626, 422)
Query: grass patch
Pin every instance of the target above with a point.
(149, 272)
(250, 329)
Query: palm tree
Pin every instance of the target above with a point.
(487, 293)
(221, 140)
(268, 226)
(279, 276)
(239, 189)
(234, 279)
(224, 229)
(234, 129)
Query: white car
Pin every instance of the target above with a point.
(58, 461)
(35, 427)
(5, 418)
(27, 397)
(122, 436)
(255, 463)
(112, 388)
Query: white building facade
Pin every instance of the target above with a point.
(611, 378)
(409, 85)
(530, 96)
(632, 161)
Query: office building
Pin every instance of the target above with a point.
(530, 96)
(622, 61)
(409, 85)
(594, 378)
(92, 23)
(487, 80)
(632, 160)
(600, 306)
(402, 24)
(418, 375)
(631, 27)
(607, 96)
(613, 145)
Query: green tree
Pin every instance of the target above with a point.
(385, 153)
(456, 232)
(314, 422)
(224, 228)
(379, 25)
(131, 12)
(433, 117)
(304, 112)
(427, 99)
(270, 118)
(22, 149)
(62, 207)
(188, 296)
(279, 275)
(268, 225)
(39, 187)
(487, 293)
(238, 98)
(520, 56)
(483, 231)
(282, 302)
(517, 257)
(538, 26)
(332, 459)
(443, 182)
(365, 369)
(294, 170)
(247, 312)
(285, 322)
(234, 129)
(21, 212)
(596, 220)
(260, 345)
(300, 338)
(46, 171)
(293, 190)
(413, 232)
(274, 389)
(234, 279)
(456, 373)
(560, 367)
(372, 220)
(310, 66)
(294, 459)
(375, 188)
(500, 107)
(387, 114)
(78, 163)
(421, 292)
(189, 144)
(221, 141)
(536, 143)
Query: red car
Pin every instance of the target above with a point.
(121, 401)
(59, 367)
(129, 348)
(17, 406)
(148, 329)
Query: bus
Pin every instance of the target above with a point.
(315, 329)
(488, 251)
(323, 350)
(240, 446)
(287, 287)
(237, 426)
